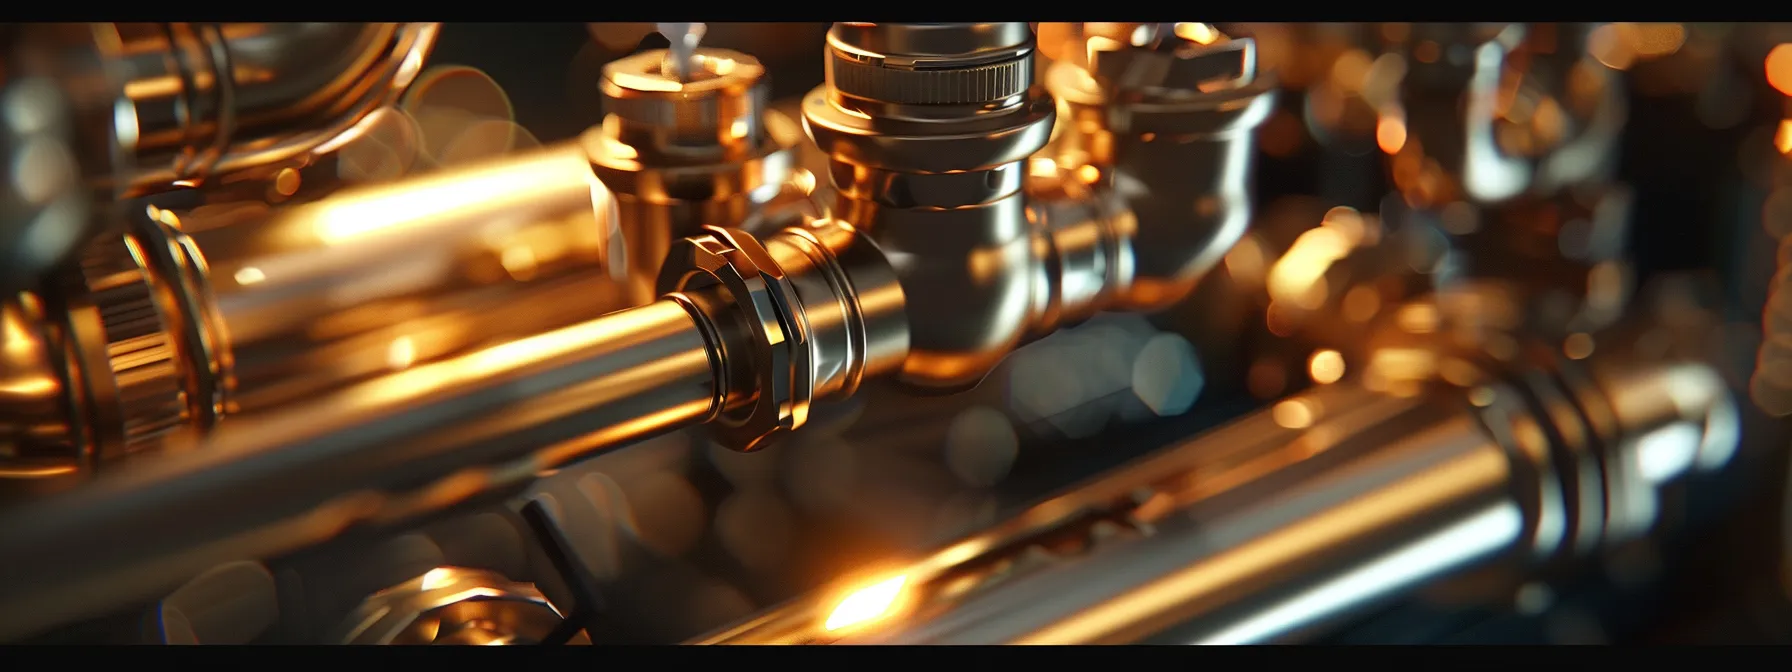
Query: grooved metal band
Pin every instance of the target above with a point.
(695, 114)
(683, 115)
(981, 84)
(139, 348)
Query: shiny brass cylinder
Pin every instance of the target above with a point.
(683, 153)
(242, 308)
(108, 111)
(389, 449)
(304, 300)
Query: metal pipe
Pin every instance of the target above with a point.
(241, 308)
(1314, 509)
(411, 442)
(113, 111)
(200, 100)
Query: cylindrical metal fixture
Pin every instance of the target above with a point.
(456, 606)
(1281, 522)
(1164, 114)
(927, 127)
(109, 111)
(683, 152)
(242, 308)
(207, 99)
(750, 334)
(410, 442)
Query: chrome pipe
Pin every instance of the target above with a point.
(1321, 506)
(408, 443)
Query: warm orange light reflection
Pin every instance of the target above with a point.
(1326, 366)
(1293, 414)
(1390, 135)
(1779, 68)
(1198, 33)
(1298, 278)
(867, 604)
(1782, 138)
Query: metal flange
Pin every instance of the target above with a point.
(778, 336)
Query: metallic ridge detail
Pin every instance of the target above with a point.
(140, 349)
(980, 84)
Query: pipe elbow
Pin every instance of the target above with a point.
(967, 277)
(1179, 236)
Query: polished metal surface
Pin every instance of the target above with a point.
(938, 184)
(180, 117)
(455, 606)
(1325, 504)
(41, 436)
(686, 150)
(304, 398)
(404, 444)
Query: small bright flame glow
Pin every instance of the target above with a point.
(250, 275)
(1782, 139)
(866, 604)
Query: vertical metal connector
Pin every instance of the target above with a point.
(927, 128)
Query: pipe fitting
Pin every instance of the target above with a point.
(452, 605)
(808, 315)
(680, 153)
(927, 127)
(1166, 121)
(1492, 112)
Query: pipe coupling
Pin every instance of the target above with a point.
(809, 314)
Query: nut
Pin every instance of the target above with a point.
(453, 605)
(779, 340)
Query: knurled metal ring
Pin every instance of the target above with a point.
(141, 352)
(778, 342)
(978, 84)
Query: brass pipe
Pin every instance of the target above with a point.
(241, 308)
(203, 100)
(114, 111)
(410, 442)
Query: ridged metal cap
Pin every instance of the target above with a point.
(930, 63)
(720, 102)
(140, 346)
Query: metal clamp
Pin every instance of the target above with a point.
(779, 336)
